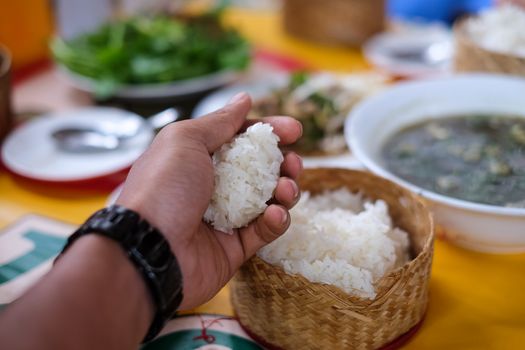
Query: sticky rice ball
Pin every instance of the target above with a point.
(246, 174)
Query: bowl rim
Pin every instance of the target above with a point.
(351, 135)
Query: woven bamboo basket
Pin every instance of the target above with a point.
(471, 57)
(289, 312)
(348, 22)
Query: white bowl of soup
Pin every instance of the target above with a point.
(459, 142)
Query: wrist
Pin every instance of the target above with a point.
(149, 253)
(124, 290)
(148, 213)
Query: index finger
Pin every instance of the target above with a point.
(222, 125)
(288, 129)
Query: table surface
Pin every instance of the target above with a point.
(476, 300)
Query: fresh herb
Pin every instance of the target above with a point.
(297, 79)
(148, 50)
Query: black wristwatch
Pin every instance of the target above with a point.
(150, 253)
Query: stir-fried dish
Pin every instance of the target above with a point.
(479, 158)
(321, 102)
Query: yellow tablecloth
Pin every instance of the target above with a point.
(477, 301)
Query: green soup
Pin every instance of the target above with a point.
(478, 158)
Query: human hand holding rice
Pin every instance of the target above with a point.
(182, 181)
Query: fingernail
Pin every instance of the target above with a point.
(284, 216)
(295, 189)
(301, 163)
(238, 97)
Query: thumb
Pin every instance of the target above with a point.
(265, 229)
(221, 126)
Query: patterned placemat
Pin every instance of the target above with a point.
(27, 250)
(203, 331)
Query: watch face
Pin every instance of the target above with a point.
(203, 332)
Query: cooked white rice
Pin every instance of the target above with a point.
(341, 239)
(246, 174)
(501, 28)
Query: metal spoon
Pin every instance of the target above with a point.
(83, 139)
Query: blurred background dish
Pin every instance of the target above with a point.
(342, 22)
(372, 124)
(77, 138)
(155, 56)
(493, 41)
(320, 101)
(31, 152)
(412, 50)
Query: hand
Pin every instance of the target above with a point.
(171, 186)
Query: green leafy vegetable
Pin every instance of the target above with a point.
(144, 50)
(297, 79)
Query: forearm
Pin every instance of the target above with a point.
(94, 298)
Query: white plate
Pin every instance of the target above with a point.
(476, 226)
(159, 90)
(30, 150)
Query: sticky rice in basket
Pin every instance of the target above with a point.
(351, 272)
